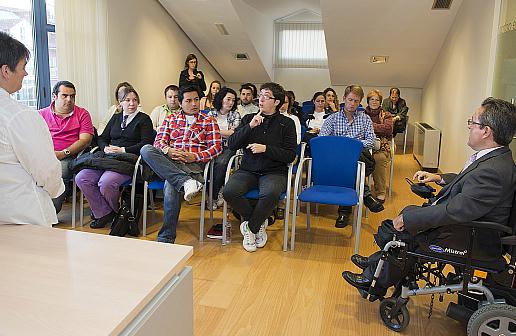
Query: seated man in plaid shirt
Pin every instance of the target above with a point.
(186, 141)
(351, 123)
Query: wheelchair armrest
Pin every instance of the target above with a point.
(488, 225)
(509, 240)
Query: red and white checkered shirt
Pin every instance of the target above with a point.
(202, 138)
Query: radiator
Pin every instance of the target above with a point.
(427, 144)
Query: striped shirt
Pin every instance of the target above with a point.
(202, 137)
(360, 128)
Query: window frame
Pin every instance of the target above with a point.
(40, 30)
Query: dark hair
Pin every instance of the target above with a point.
(67, 84)
(277, 91)
(394, 89)
(119, 85)
(209, 96)
(500, 116)
(189, 58)
(336, 101)
(219, 97)
(317, 94)
(127, 90)
(355, 89)
(170, 87)
(249, 86)
(289, 96)
(187, 88)
(292, 94)
(12, 51)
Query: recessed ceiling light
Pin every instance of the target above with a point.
(222, 29)
(242, 57)
(378, 59)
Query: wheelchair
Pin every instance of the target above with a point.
(484, 280)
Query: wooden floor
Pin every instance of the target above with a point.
(271, 292)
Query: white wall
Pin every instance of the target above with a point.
(460, 79)
(101, 43)
(148, 49)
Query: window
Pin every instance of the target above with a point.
(32, 23)
(300, 45)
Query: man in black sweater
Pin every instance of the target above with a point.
(268, 140)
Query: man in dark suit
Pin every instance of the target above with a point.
(482, 191)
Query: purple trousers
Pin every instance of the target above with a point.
(102, 189)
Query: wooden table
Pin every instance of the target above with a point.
(60, 282)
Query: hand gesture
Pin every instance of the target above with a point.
(425, 177)
(256, 148)
(257, 120)
(198, 76)
(398, 223)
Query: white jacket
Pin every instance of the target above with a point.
(30, 173)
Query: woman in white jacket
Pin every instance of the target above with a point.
(30, 172)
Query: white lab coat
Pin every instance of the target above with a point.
(30, 173)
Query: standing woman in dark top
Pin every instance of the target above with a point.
(191, 76)
(126, 132)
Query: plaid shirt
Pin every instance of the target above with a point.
(360, 128)
(202, 138)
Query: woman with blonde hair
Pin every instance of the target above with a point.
(382, 124)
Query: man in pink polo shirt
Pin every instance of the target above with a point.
(71, 129)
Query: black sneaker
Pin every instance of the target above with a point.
(215, 232)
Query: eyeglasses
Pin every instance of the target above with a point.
(471, 122)
(265, 97)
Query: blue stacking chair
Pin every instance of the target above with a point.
(334, 176)
(254, 194)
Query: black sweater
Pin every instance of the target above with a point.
(138, 133)
(277, 132)
(199, 83)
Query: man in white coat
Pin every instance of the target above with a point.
(30, 174)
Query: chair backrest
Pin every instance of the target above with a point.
(308, 106)
(334, 160)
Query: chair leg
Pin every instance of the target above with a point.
(203, 208)
(293, 230)
(224, 223)
(81, 209)
(286, 219)
(74, 201)
(405, 138)
(390, 176)
(358, 227)
(145, 191)
(369, 180)
(308, 216)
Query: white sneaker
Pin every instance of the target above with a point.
(191, 187)
(249, 242)
(261, 236)
(220, 200)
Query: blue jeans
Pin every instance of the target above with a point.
(175, 175)
(270, 187)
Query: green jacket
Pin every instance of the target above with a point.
(400, 110)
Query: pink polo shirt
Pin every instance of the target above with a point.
(65, 131)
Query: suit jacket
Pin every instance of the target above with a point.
(401, 109)
(484, 192)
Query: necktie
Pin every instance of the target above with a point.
(471, 159)
(124, 121)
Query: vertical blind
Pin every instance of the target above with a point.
(300, 45)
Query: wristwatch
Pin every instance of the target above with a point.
(66, 152)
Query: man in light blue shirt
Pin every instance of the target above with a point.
(350, 122)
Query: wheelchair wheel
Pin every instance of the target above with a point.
(398, 322)
(493, 319)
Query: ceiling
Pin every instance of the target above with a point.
(407, 31)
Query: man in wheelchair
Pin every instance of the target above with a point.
(463, 226)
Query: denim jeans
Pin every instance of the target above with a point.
(67, 176)
(175, 174)
(270, 187)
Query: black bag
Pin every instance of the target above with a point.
(122, 222)
(386, 233)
